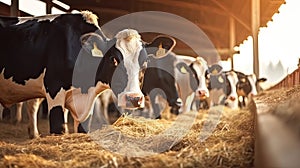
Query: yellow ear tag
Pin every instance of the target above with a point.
(96, 52)
(220, 79)
(161, 51)
(183, 70)
(214, 72)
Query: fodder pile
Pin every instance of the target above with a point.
(214, 139)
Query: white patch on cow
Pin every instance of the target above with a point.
(80, 104)
(12, 92)
(200, 66)
(58, 100)
(129, 44)
(233, 80)
(90, 18)
(252, 80)
(39, 18)
(183, 81)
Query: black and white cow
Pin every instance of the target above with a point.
(159, 77)
(190, 78)
(246, 87)
(222, 87)
(159, 80)
(66, 59)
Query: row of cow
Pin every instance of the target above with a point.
(198, 86)
(67, 60)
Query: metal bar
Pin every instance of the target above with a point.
(255, 27)
(231, 39)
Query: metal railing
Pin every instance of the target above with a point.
(289, 81)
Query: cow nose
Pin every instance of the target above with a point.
(202, 94)
(134, 101)
(232, 98)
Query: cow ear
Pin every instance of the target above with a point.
(182, 68)
(160, 46)
(94, 44)
(215, 69)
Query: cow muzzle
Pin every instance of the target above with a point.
(202, 94)
(176, 106)
(131, 100)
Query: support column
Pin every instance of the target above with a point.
(48, 7)
(14, 8)
(255, 28)
(231, 40)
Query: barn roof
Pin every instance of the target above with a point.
(212, 16)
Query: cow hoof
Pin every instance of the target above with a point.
(32, 135)
(158, 117)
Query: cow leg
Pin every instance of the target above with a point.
(85, 126)
(56, 120)
(65, 126)
(32, 110)
(56, 107)
(155, 107)
(1, 112)
(76, 125)
(19, 107)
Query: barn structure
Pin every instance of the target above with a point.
(227, 23)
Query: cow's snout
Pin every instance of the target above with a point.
(131, 100)
(134, 101)
(232, 98)
(202, 94)
(178, 102)
(176, 106)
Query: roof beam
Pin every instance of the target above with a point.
(211, 28)
(102, 10)
(188, 5)
(219, 4)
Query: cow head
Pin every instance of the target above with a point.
(198, 69)
(231, 94)
(122, 58)
(246, 85)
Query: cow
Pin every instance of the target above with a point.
(169, 77)
(158, 80)
(159, 77)
(68, 60)
(246, 87)
(191, 82)
(222, 87)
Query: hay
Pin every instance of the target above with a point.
(230, 145)
(284, 103)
